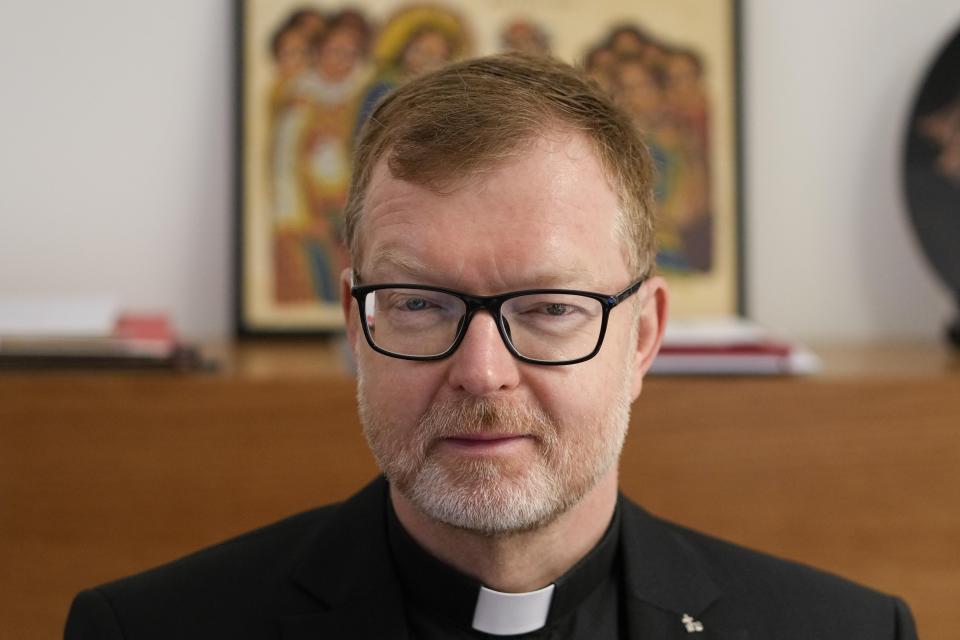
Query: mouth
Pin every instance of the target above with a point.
(486, 443)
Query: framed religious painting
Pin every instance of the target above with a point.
(310, 72)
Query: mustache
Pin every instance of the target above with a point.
(453, 418)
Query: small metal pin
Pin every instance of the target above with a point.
(693, 626)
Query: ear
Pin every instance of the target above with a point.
(348, 304)
(650, 328)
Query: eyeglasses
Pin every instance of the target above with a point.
(538, 326)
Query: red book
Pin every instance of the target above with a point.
(729, 346)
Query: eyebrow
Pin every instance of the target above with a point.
(390, 258)
(557, 276)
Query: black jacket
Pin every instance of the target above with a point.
(327, 574)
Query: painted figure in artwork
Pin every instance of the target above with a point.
(414, 40)
(287, 116)
(332, 89)
(662, 87)
(313, 107)
(525, 36)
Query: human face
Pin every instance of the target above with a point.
(639, 90)
(427, 51)
(339, 54)
(480, 440)
(291, 54)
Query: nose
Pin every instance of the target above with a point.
(482, 364)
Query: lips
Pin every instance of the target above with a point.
(486, 437)
(486, 442)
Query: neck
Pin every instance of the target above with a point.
(519, 562)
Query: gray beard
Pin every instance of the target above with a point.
(493, 497)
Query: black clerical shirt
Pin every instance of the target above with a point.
(440, 601)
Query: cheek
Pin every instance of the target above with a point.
(396, 389)
(587, 391)
(575, 397)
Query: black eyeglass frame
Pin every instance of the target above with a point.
(492, 305)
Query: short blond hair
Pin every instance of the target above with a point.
(446, 125)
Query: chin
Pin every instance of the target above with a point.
(489, 497)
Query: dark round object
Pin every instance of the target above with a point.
(932, 168)
(953, 332)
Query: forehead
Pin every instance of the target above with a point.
(546, 212)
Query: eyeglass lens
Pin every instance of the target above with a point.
(550, 327)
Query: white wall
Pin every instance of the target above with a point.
(829, 85)
(116, 142)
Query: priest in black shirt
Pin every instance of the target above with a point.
(503, 310)
(443, 603)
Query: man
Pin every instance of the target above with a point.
(502, 312)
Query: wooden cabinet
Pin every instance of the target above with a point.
(856, 470)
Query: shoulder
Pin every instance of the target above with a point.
(263, 551)
(741, 569)
(245, 587)
(242, 581)
(783, 598)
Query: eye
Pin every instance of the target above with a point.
(415, 304)
(419, 302)
(550, 309)
(556, 309)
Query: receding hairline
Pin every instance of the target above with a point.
(545, 130)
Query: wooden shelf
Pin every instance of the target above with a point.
(329, 357)
(855, 470)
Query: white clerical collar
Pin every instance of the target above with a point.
(506, 614)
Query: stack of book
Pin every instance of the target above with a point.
(88, 334)
(730, 346)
